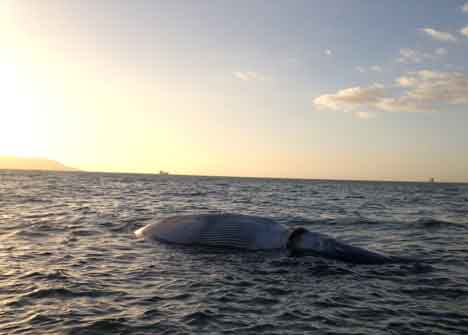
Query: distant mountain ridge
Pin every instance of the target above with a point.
(32, 163)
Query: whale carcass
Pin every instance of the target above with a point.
(254, 233)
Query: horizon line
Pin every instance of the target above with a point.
(244, 177)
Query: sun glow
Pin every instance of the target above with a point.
(21, 117)
(114, 86)
(19, 113)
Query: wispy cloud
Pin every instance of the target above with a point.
(249, 76)
(435, 86)
(464, 31)
(439, 35)
(412, 56)
(409, 56)
(328, 52)
(349, 98)
(441, 51)
(423, 91)
(375, 68)
(465, 8)
(364, 115)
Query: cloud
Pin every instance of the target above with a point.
(441, 51)
(249, 76)
(328, 52)
(360, 69)
(405, 81)
(349, 98)
(464, 31)
(439, 35)
(412, 56)
(437, 87)
(465, 8)
(404, 104)
(409, 56)
(375, 68)
(422, 91)
(364, 115)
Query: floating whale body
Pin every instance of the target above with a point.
(255, 233)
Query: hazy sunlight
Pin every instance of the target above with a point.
(107, 86)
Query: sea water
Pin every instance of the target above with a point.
(71, 264)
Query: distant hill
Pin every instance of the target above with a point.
(32, 163)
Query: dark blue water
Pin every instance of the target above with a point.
(70, 264)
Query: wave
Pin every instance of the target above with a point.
(157, 298)
(254, 329)
(430, 292)
(424, 222)
(432, 223)
(199, 318)
(187, 194)
(106, 326)
(37, 275)
(59, 293)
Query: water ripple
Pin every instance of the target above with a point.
(70, 263)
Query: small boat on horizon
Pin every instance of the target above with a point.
(432, 180)
(163, 173)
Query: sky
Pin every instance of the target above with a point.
(373, 90)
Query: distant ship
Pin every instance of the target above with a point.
(432, 180)
(163, 173)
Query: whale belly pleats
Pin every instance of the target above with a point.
(177, 229)
(223, 230)
(227, 234)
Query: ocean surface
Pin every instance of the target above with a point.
(70, 263)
